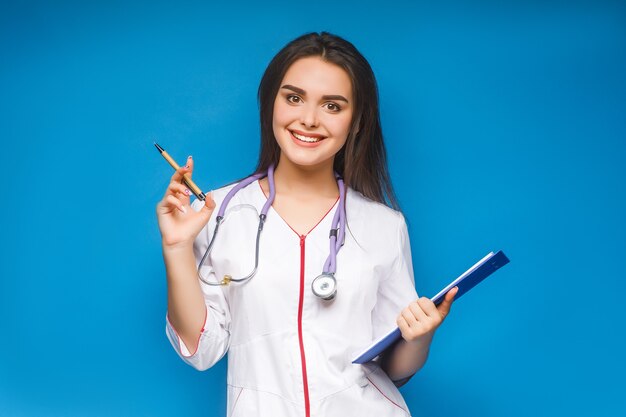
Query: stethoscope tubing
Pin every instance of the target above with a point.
(337, 233)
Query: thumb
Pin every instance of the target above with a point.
(209, 203)
(205, 212)
(446, 304)
(200, 216)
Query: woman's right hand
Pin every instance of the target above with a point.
(178, 222)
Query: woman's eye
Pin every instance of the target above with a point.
(293, 98)
(333, 107)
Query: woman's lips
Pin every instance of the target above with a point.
(308, 139)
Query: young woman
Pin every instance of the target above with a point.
(322, 178)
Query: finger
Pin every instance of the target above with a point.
(402, 324)
(177, 190)
(446, 304)
(409, 316)
(178, 175)
(429, 308)
(174, 202)
(184, 195)
(190, 165)
(418, 311)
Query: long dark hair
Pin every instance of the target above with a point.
(362, 162)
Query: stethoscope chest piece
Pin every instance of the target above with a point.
(325, 286)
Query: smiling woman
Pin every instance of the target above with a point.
(289, 330)
(308, 113)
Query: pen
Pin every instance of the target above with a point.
(186, 179)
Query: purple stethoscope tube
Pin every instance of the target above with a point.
(325, 285)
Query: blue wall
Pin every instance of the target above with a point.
(505, 127)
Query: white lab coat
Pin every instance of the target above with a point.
(289, 353)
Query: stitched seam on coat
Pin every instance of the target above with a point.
(343, 389)
(232, 410)
(383, 394)
(248, 388)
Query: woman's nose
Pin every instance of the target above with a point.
(308, 117)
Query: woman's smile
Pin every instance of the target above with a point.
(306, 139)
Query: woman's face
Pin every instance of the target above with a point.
(313, 112)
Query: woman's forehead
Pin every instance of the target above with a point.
(318, 77)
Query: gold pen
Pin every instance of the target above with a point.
(186, 179)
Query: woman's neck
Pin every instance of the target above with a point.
(299, 181)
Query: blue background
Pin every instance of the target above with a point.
(505, 127)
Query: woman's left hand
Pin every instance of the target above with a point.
(421, 318)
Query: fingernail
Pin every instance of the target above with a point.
(183, 209)
(187, 191)
(189, 157)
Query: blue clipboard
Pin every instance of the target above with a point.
(468, 280)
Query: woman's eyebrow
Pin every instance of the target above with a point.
(300, 91)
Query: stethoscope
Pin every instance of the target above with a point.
(325, 284)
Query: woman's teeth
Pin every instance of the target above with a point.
(305, 138)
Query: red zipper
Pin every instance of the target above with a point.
(305, 382)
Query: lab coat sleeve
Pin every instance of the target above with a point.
(396, 290)
(214, 338)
